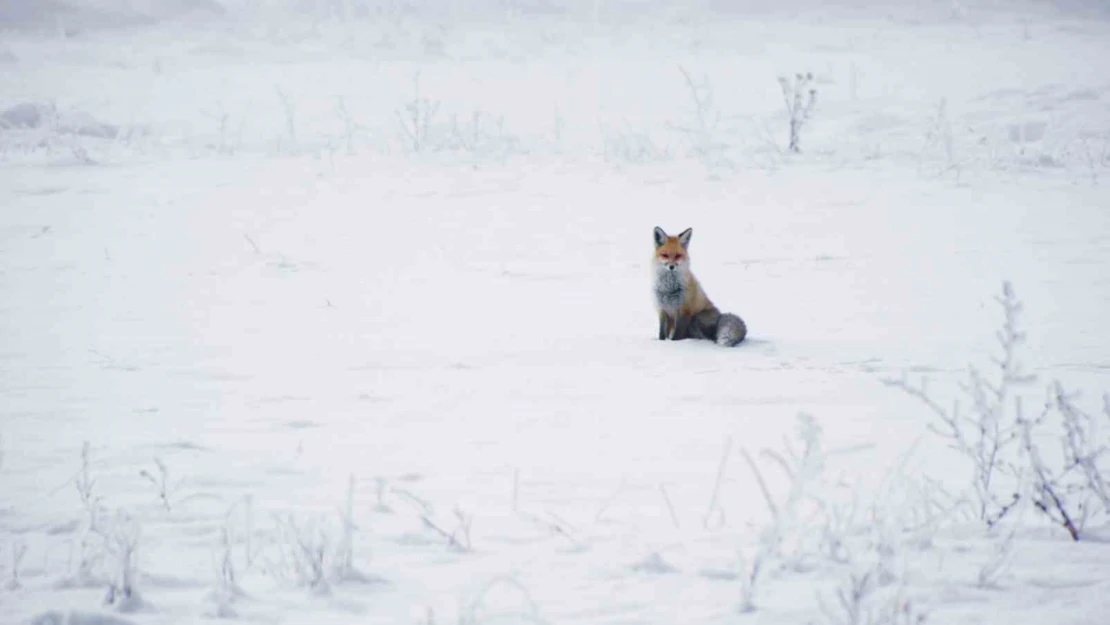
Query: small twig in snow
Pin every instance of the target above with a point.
(762, 485)
(609, 501)
(290, 118)
(18, 551)
(670, 506)
(254, 246)
(516, 488)
(715, 511)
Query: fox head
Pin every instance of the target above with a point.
(671, 252)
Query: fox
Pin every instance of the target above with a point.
(684, 309)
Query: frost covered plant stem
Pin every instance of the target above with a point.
(416, 119)
(804, 470)
(345, 557)
(940, 133)
(715, 515)
(309, 546)
(861, 601)
(1048, 490)
(91, 531)
(1066, 489)
(1085, 451)
(850, 597)
(290, 110)
(85, 484)
(702, 98)
(1001, 556)
(227, 590)
(344, 567)
(229, 139)
(670, 506)
(167, 493)
(160, 483)
(224, 122)
(749, 578)
(123, 545)
(228, 583)
(458, 538)
(800, 99)
(18, 552)
(989, 435)
(476, 611)
(350, 126)
(381, 489)
(703, 135)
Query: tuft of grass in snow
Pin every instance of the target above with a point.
(122, 544)
(305, 548)
(89, 548)
(227, 591)
(351, 128)
(861, 600)
(625, 144)
(229, 134)
(415, 119)
(314, 554)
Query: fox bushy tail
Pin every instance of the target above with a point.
(731, 329)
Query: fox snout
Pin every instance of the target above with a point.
(669, 264)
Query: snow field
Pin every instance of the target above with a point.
(468, 330)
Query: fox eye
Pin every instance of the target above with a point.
(666, 256)
(678, 256)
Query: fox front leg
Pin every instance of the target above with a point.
(681, 328)
(664, 326)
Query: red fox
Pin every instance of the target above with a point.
(684, 309)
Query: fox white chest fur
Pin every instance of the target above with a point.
(670, 290)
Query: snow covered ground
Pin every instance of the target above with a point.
(235, 267)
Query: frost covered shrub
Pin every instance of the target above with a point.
(1009, 463)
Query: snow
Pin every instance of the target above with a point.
(259, 285)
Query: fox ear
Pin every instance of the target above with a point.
(660, 236)
(684, 237)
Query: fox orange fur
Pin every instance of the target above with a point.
(684, 309)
